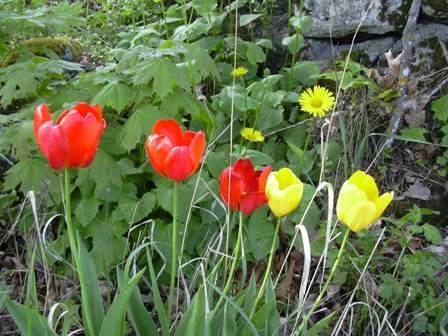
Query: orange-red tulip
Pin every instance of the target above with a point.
(173, 153)
(247, 186)
(73, 140)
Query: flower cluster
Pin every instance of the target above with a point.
(176, 154)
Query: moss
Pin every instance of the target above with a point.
(399, 17)
(59, 45)
(439, 6)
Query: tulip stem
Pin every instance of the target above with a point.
(327, 283)
(236, 253)
(268, 269)
(174, 249)
(68, 217)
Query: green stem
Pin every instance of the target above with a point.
(305, 147)
(327, 283)
(268, 269)
(236, 253)
(75, 255)
(164, 17)
(174, 249)
(68, 217)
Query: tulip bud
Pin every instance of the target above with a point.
(359, 204)
(284, 192)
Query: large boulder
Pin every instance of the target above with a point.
(342, 18)
(436, 9)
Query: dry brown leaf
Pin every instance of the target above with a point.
(418, 191)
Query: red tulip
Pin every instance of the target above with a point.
(73, 141)
(247, 186)
(173, 153)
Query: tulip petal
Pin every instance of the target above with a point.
(231, 187)
(382, 203)
(251, 201)
(41, 116)
(52, 142)
(82, 135)
(197, 146)
(264, 177)
(283, 202)
(171, 129)
(286, 177)
(85, 108)
(158, 148)
(349, 196)
(245, 168)
(366, 183)
(361, 216)
(179, 164)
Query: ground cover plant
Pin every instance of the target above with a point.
(169, 168)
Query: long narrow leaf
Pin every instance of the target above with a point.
(28, 320)
(160, 308)
(113, 321)
(92, 303)
(139, 316)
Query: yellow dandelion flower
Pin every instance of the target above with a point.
(239, 72)
(316, 101)
(252, 135)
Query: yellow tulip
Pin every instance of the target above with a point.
(283, 191)
(359, 204)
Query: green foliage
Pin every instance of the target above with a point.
(156, 60)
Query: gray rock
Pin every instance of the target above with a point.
(368, 51)
(430, 53)
(342, 17)
(436, 9)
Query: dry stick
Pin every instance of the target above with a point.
(404, 102)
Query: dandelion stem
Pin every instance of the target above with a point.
(268, 269)
(327, 283)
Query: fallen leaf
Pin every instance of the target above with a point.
(418, 191)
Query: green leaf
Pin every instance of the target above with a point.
(116, 95)
(86, 210)
(294, 42)
(204, 7)
(108, 245)
(31, 291)
(200, 61)
(92, 303)
(113, 321)
(30, 174)
(245, 19)
(197, 319)
(254, 53)
(141, 319)
(414, 133)
(305, 73)
(18, 81)
(322, 327)
(160, 308)
(139, 124)
(440, 108)
(164, 76)
(432, 234)
(28, 320)
(103, 170)
(260, 232)
(132, 209)
(303, 23)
